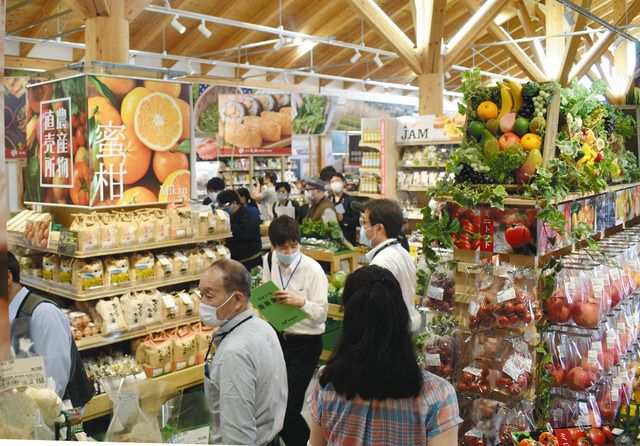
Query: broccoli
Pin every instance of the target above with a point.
(531, 89)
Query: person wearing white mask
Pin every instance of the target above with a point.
(303, 283)
(285, 206)
(214, 186)
(380, 227)
(347, 217)
(245, 381)
(320, 207)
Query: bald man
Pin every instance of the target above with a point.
(245, 381)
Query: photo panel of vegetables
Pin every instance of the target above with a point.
(312, 113)
(109, 141)
(17, 118)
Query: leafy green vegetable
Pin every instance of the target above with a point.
(310, 118)
(34, 191)
(474, 92)
(579, 100)
(76, 89)
(531, 89)
(185, 147)
(208, 119)
(503, 164)
(330, 231)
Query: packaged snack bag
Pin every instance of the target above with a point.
(184, 347)
(117, 270)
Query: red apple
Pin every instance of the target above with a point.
(586, 314)
(558, 309)
(580, 379)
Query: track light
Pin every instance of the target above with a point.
(279, 44)
(447, 75)
(378, 61)
(177, 25)
(190, 68)
(356, 57)
(203, 29)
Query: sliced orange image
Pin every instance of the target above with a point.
(130, 104)
(176, 187)
(158, 121)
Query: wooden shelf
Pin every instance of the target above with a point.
(233, 170)
(370, 169)
(101, 405)
(65, 290)
(12, 240)
(414, 189)
(100, 340)
(422, 166)
(428, 143)
(365, 195)
(335, 312)
(267, 168)
(370, 145)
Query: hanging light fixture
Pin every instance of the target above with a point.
(190, 68)
(356, 57)
(177, 25)
(279, 44)
(378, 61)
(204, 30)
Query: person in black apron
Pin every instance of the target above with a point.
(284, 205)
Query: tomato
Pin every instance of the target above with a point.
(596, 436)
(517, 235)
(81, 184)
(582, 442)
(607, 432)
(575, 433)
(80, 139)
(454, 210)
(467, 226)
(527, 442)
(548, 439)
(475, 244)
(463, 244)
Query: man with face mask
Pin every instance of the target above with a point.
(380, 227)
(302, 283)
(245, 243)
(347, 217)
(320, 207)
(284, 205)
(214, 186)
(245, 382)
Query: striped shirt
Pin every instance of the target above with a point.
(398, 422)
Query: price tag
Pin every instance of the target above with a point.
(570, 288)
(168, 301)
(203, 214)
(475, 433)
(611, 338)
(209, 252)
(516, 365)
(596, 346)
(562, 351)
(435, 292)
(473, 370)
(474, 307)
(597, 284)
(68, 243)
(432, 359)
(24, 372)
(506, 295)
(222, 250)
(615, 394)
(195, 436)
(622, 327)
(163, 260)
(180, 256)
(592, 356)
(617, 431)
(615, 273)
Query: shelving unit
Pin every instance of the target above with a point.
(101, 341)
(101, 405)
(253, 169)
(12, 240)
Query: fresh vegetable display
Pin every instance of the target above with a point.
(323, 235)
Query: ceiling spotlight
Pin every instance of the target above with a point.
(447, 75)
(378, 61)
(203, 29)
(279, 44)
(190, 68)
(356, 57)
(177, 25)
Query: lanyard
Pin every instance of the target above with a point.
(284, 287)
(222, 335)
(395, 242)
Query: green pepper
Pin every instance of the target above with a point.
(579, 155)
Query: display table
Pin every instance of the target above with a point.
(334, 258)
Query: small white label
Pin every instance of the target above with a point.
(203, 214)
(506, 295)
(186, 299)
(473, 370)
(432, 359)
(475, 433)
(163, 260)
(195, 436)
(181, 257)
(181, 233)
(209, 253)
(597, 284)
(615, 394)
(596, 346)
(181, 365)
(622, 327)
(222, 250)
(168, 301)
(474, 307)
(435, 292)
(617, 431)
(614, 273)
(562, 351)
(24, 372)
(592, 357)
(516, 365)
(570, 288)
(611, 338)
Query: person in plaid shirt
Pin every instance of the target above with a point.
(372, 391)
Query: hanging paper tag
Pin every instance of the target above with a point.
(506, 295)
(435, 292)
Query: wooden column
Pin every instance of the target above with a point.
(430, 93)
(556, 45)
(622, 72)
(107, 36)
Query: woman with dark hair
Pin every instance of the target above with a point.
(248, 202)
(372, 391)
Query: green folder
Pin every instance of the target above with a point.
(279, 315)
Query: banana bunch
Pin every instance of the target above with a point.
(510, 97)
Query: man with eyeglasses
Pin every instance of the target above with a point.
(245, 380)
(302, 283)
(320, 207)
(380, 227)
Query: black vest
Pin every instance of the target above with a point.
(78, 390)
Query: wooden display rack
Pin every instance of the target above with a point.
(333, 258)
(252, 170)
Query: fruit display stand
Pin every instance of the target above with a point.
(334, 258)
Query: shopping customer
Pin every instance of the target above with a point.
(214, 186)
(372, 391)
(284, 205)
(379, 229)
(247, 201)
(326, 173)
(348, 217)
(267, 197)
(39, 328)
(302, 283)
(245, 381)
(320, 207)
(245, 243)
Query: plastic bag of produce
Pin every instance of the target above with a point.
(438, 348)
(558, 306)
(569, 409)
(440, 292)
(186, 419)
(589, 301)
(516, 365)
(516, 416)
(607, 396)
(21, 417)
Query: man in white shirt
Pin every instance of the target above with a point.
(380, 227)
(302, 283)
(245, 381)
(267, 197)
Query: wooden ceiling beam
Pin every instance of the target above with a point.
(602, 45)
(475, 26)
(47, 10)
(31, 63)
(389, 31)
(134, 8)
(530, 30)
(571, 50)
(554, 25)
(148, 34)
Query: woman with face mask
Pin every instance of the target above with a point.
(284, 205)
(214, 186)
(348, 218)
(303, 283)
